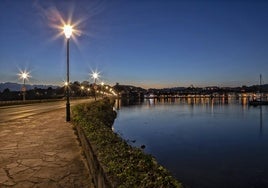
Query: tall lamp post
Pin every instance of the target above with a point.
(68, 32)
(24, 76)
(102, 84)
(95, 76)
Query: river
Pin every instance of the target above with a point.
(204, 143)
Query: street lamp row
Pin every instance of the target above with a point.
(68, 30)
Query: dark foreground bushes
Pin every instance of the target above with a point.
(125, 166)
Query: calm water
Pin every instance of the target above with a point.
(204, 144)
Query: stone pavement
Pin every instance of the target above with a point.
(41, 151)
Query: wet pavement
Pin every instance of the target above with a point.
(41, 151)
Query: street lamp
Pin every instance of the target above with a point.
(24, 75)
(95, 76)
(67, 29)
(82, 90)
(102, 84)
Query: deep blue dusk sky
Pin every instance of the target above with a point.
(148, 43)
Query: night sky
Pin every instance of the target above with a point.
(147, 43)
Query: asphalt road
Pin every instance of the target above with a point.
(8, 113)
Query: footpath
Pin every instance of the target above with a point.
(42, 151)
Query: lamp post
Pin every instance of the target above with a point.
(24, 75)
(68, 32)
(95, 76)
(23, 89)
(102, 84)
(82, 90)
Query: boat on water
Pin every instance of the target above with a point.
(257, 102)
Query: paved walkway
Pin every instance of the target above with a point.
(41, 151)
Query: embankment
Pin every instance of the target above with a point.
(112, 162)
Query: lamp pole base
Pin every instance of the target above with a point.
(68, 114)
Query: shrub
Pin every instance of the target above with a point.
(128, 166)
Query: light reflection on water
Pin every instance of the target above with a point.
(203, 143)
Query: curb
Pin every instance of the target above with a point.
(100, 178)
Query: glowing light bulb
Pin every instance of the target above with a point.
(68, 29)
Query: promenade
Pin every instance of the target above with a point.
(41, 151)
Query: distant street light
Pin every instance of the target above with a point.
(102, 84)
(67, 29)
(95, 76)
(24, 75)
(82, 90)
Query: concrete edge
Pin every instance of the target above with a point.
(100, 178)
